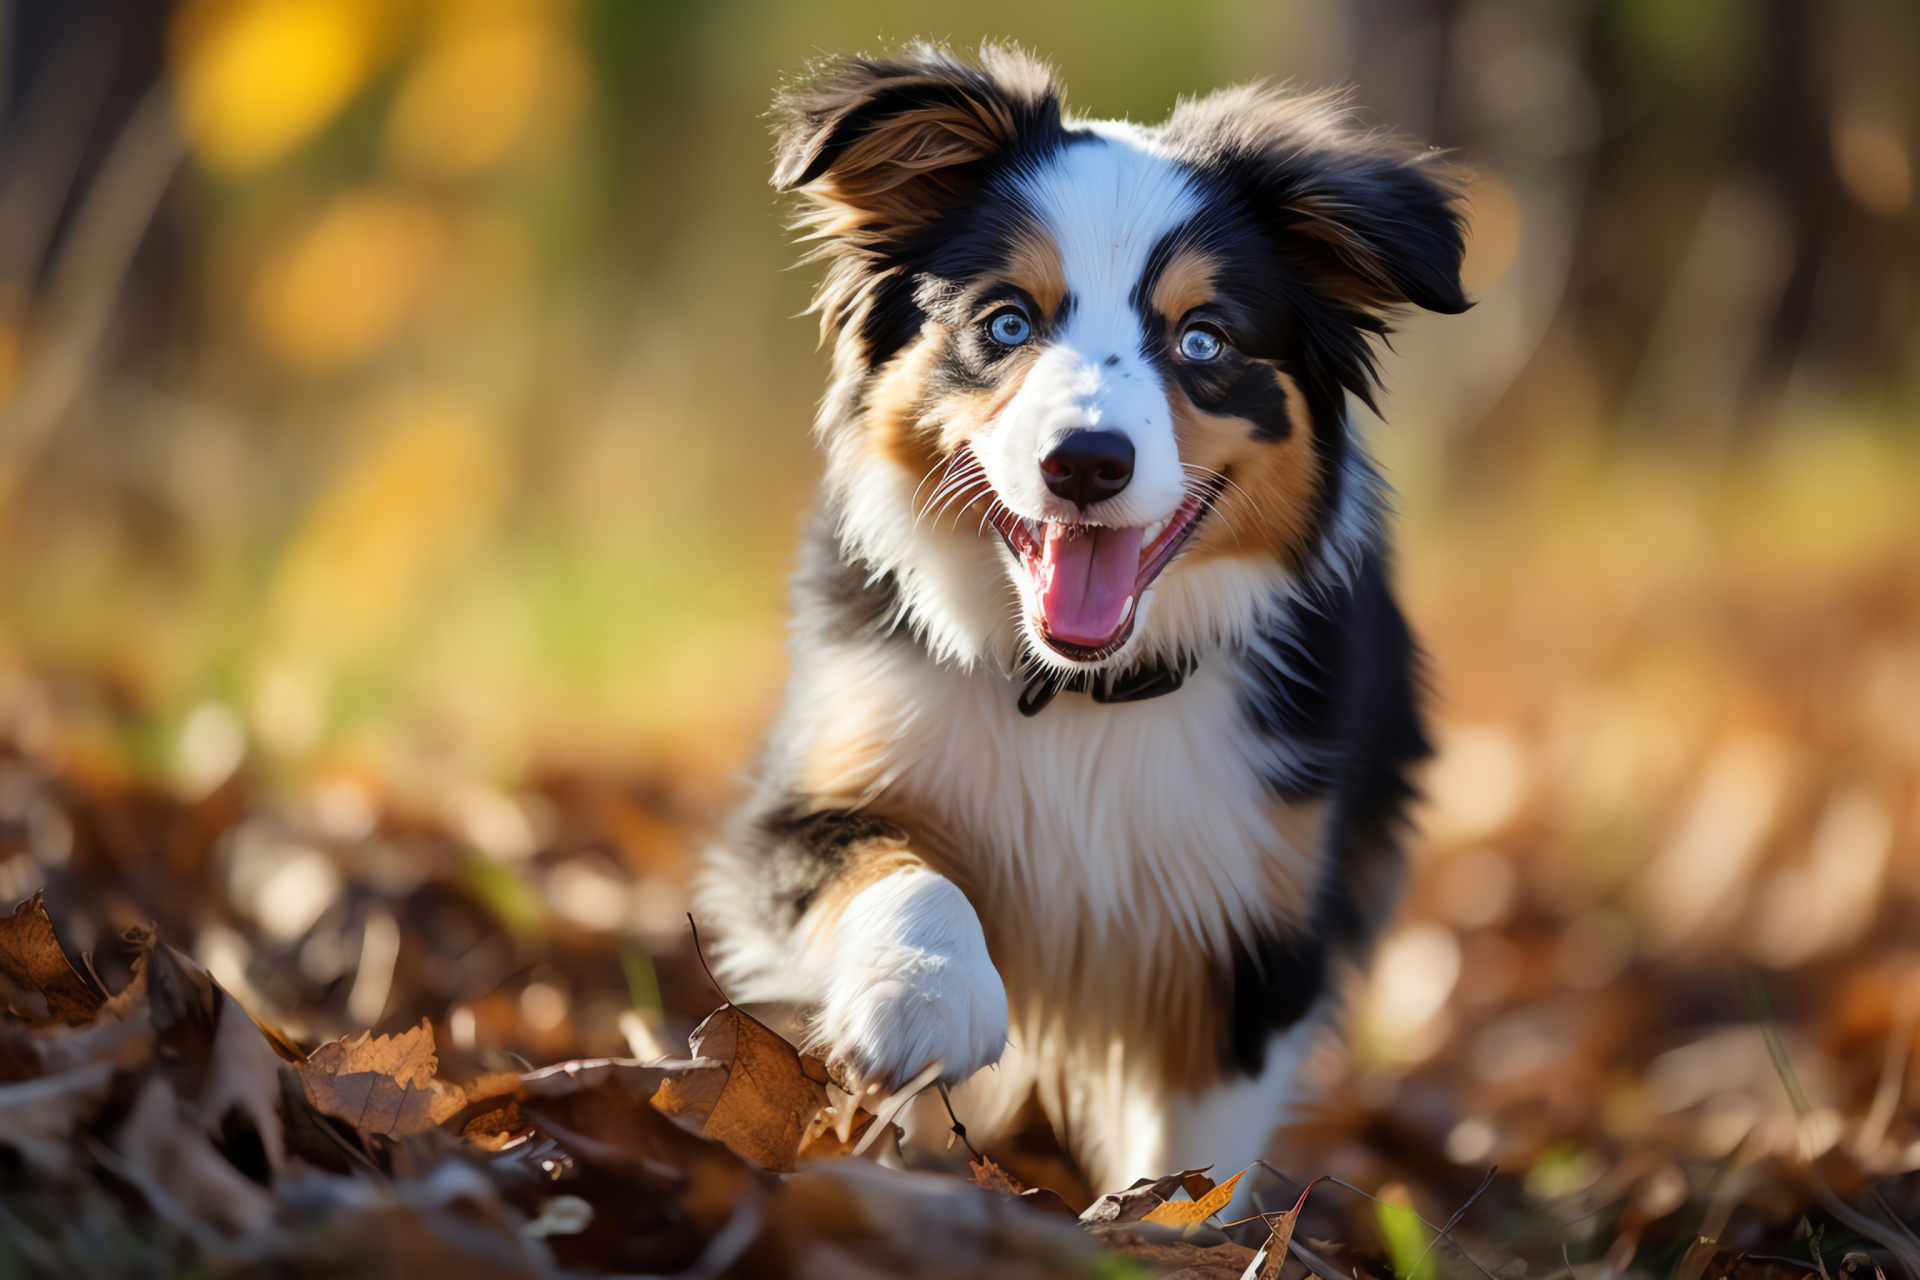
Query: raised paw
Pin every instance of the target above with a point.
(909, 985)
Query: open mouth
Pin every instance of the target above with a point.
(1088, 578)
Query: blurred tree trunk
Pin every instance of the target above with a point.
(1747, 237)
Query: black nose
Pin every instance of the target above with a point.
(1089, 467)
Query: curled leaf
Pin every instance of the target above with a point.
(31, 959)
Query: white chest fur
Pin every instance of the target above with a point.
(1090, 823)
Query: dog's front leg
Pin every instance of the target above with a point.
(904, 976)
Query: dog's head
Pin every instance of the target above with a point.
(1093, 371)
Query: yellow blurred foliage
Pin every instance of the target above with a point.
(341, 286)
(405, 507)
(255, 78)
(478, 93)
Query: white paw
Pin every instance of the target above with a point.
(908, 984)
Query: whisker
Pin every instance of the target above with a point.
(945, 471)
(932, 471)
(1219, 482)
(1226, 481)
(939, 500)
(950, 484)
(964, 497)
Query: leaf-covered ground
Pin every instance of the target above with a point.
(1655, 972)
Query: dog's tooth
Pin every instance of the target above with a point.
(1127, 610)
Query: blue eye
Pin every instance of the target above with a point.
(1201, 345)
(1010, 328)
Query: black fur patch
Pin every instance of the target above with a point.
(1338, 686)
(806, 851)
(1256, 395)
(1274, 985)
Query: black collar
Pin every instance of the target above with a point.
(1136, 684)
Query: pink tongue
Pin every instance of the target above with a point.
(1086, 577)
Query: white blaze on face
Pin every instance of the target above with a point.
(1106, 202)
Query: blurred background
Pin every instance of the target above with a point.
(403, 439)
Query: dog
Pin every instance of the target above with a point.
(1093, 765)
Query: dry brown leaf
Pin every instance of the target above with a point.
(759, 1099)
(408, 1056)
(1137, 1201)
(692, 1095)
(1171, 1257)
(493, 1130)
(30, 956)
(917, 1224)
(495, 1084)
(989, 1176)
(1186, 1213)
(1281, 1241)
(279, 1041)
(243, 1075)
(163, 1138)
(382, 1085)
(1197, 1184)
(1046, 1200)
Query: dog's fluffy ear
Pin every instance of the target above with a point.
(1373, 223)
(895, 139)
(882, 147)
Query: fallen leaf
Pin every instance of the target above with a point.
(185, 1005)
(989, 1176)
(30, 956)
(692, 1096)
(1138, 1200)
(759, 1099)
(654, 1183)
(1046, 1200)
(916, 1224)
(1281, 1241)
(243, 1079)
(1185, 1213)
(279, 1041)
(1857, 1264)
(494, 1129)
(408, 1056)
(382, 1085)
(495, 1084)
(1161, 1248)
(187, 1180)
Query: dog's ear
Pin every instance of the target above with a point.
(1372, 222)
(883, 146)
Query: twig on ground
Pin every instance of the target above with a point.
(700, 954)
(1458, 1214)
(1441, 1232)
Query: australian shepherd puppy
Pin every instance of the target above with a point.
(1094, 756)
